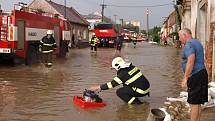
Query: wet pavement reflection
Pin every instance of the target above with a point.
(37, 93)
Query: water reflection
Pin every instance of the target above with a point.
(132, 112)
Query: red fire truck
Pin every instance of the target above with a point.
(22, 29)
(106, 34)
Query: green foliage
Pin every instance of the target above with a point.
(143, 31)
(155, 30)
(154, 33)
(132, 28)
(156, 38)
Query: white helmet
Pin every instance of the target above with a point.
(118, 63)
(49, 32)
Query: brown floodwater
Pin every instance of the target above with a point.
(37, 93)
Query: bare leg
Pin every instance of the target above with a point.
(200, 110)
(195, 112)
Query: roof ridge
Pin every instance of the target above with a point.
(71, 9)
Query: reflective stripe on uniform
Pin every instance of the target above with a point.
(48, 44)
(109, 85)
(93, 42)
(48, 51)
(131, 100)
(133, 71)
(117, 80)
(134, 78)
(141, 91)
(49, 64)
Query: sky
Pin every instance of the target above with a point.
(126, 10)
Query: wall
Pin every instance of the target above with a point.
(212, 35)
(194, 8)
(80, 32)
(202, 27)
(210, 44)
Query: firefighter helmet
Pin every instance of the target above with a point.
(49, 32)
(117, 63)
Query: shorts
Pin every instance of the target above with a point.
(198, 88)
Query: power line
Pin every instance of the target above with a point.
(143, 6)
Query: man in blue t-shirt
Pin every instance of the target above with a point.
(195, 75)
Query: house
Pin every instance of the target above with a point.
(79, 26)
(169, 26)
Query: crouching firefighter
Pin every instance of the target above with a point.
(134, 82)
(47, 46)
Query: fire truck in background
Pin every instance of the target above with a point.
(126, 35)
(22, 30)
(106, 34)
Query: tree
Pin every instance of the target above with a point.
(131, 27)
(143, 31)
(154, 33)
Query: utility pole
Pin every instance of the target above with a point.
(122, 21)
(147, 23)
(121, 25)
(65, 8)
(115, 18)
(0, 9)
(103, 7)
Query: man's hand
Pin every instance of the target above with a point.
(184, 83)
(95, 88)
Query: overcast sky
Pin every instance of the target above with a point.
(156, 14)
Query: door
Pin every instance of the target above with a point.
(21, 34)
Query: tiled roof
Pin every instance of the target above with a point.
(71, 14)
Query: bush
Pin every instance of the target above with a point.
(156, 38)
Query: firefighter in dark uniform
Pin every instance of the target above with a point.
(118, 43)
(134, 40)
(134, 82)
(93, 42)
(47, 46)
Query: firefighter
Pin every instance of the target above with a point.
(93, 42)
(134, 40)
(118, 43)
(134, 82)
(47, 46)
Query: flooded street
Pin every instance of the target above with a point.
(36, 93)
